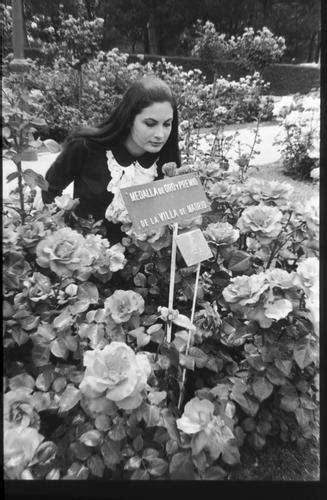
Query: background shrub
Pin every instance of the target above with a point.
(105, 78)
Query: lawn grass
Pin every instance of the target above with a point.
(278, 461)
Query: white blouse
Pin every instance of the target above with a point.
(121, 177)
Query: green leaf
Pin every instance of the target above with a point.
(59, 384)
(214, 473)
(303, 355)
(307, 402)
(258, 441)
(171, 447)
(303, 416)
(157, 467)
(96, 465)
(157, 333)
(199, 356)
(184, 322)
(264, 428)
(46, 331)
(275, 376)
(88, 291)
(161, 436)
(19, 336)
(171, 352)
(69, 398)
(240, 261)
(150, 454)
(102, 422)
(169, 422)
(138, 443)
(39, 122)
(12, 176)
(240, 436)
(154, 328)
(7, 309)
(181, 466)
(202, 441)
(152, 416)
(52, 146)
(44, 380)
(140, 475)
(40, 355)
(233, 337)
(249, 424)
(77, 471)
(248, 404)
(231, 454)
(118, 432)
(157, 397)
(29, 154)
(214, 364)
(256, 361)
(6, 132)
(187, 361)
(78, 307)
(110, 451)
(41, 400)
(150, 320)
(23, 380)
(70, 343)
(142, 338)
(63, 320)
(80, 451)
(258, 314)
(284, 365)
(140, 280)
(262, 388)
(289, 403)
(58, 348)
(91, 438)
(133, 463)
(34, 179)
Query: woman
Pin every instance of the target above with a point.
(129, 148)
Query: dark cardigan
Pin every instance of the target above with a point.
(87, 167)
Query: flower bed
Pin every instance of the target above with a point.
(92, 389)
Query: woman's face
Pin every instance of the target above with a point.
(151, 129)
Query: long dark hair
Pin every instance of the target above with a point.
(141, 94)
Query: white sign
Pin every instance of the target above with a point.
(193, 247)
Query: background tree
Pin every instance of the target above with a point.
(153, 26)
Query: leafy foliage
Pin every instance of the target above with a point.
(69, 102)
(298, 139)
(251, 50)
(92, 388)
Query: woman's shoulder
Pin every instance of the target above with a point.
(83, 145)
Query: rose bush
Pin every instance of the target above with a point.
(92, 387)
(299, 134)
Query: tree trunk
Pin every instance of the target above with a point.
(311, 47)
(317, 51)
(153, 40)
(146, 40)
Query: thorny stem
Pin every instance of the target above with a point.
(277, 246)
(243, 170)
(20, 190)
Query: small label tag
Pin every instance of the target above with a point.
(193, 247)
